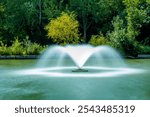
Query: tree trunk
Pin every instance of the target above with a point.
(84, 28)
(40, 19)
(84, 33)
(40, 12)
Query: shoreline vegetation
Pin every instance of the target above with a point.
(24, 48)
(29, 50)
(3, 57)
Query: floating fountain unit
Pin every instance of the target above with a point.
(81, 61)
(80, 55)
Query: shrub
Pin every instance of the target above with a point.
(64, 29)
(98, 40)
(17, 48)
(4, 50)
(144, 49)
(34, 48)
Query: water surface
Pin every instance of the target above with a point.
(135, 86)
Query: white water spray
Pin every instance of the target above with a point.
(80, 54)
(80, 61)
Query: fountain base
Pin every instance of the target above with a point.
(80, 70)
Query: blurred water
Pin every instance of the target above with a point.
(79, 55)
(133, 86)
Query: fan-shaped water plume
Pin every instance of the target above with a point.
(81, 55)
(80, 61)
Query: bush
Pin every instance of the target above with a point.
(19, 48)
(34, 48)
(64, 29)
(4, 50)
(98, 40)
(16, 48)
(144, 49)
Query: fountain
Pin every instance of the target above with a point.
(80, 54)
(80, 61)
(75, 72)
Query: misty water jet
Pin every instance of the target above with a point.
(80, 61)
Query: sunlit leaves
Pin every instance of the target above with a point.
(64, 29)
(135, 17)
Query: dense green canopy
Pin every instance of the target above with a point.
(124, 24)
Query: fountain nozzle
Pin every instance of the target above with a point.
(80, 70)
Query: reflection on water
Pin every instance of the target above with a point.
(135, 86)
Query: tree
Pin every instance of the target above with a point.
(144, 35)
(4, 33)
(94, 15)
(2, 9)
(64, 29)
(52, 8)
(86, 10)
(20, 18)
(118, 36)
(135, 17)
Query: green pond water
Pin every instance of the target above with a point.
(126, 87)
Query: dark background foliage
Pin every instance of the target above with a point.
(126, 22)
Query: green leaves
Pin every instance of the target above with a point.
(136, 16)
(120, 21)
(64, 29)
(97, 40)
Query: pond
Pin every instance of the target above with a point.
(37, 87)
